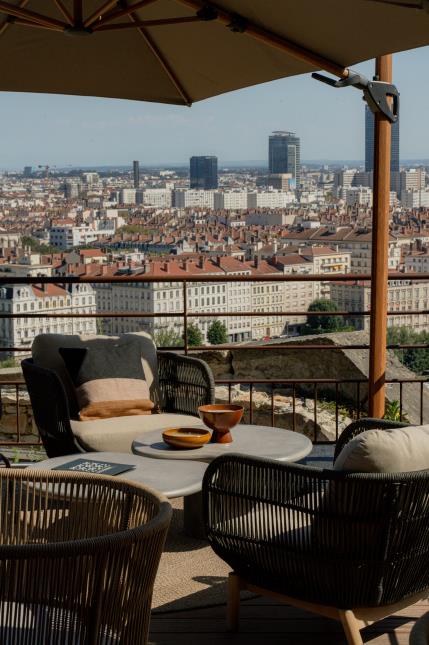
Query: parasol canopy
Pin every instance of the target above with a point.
(181, 51)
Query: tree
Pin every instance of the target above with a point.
(195, 336)
(217, 333)
(167, 337)
(417, 360)
(38, 247)
(324, 324)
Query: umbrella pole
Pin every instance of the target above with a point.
(380, 251)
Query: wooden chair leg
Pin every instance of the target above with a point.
(233, 607)
(351, 627)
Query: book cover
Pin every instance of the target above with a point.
(95, 467)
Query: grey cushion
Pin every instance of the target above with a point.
(45, 354)
(386, 451)
(117, 434)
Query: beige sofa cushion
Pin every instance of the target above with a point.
(45, 354)
(386, 451)
(117, 434)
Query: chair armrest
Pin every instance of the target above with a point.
(184, 382)
(50, 409)
(361, 425)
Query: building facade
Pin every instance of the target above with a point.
(49, 298)
(284, 154)
(203, 172)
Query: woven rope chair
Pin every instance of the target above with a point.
(78, 558)
(352, 547)
(184, 382)
(420, 632)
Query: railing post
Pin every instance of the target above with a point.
(185, 317)
(380, 251)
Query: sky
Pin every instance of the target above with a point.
(82, 131)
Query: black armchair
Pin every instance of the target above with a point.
(352, 547)
(184, 383)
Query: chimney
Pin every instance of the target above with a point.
(256, 261)
(200, 263)
(167, 267)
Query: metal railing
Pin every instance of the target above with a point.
(295, 386)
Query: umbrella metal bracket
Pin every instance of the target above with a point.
(380, 97)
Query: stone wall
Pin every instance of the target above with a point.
(8, 419)
(296, 363)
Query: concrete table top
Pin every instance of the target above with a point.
(250, 440)
(178, 480)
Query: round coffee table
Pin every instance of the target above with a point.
(180, 479)
(250, 440)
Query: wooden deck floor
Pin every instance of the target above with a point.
(264, 621)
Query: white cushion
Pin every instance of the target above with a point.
(117, 434)
(386, 451)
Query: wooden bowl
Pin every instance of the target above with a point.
(221, 417)
(186, 437)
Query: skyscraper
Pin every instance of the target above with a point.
(203, 173)
(28, 171)
(136, 172)
(284, 154)
(369, 148)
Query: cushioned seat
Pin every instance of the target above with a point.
(118, 433)
(178, 384)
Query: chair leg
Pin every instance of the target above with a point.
(351, 627)
(233, 607)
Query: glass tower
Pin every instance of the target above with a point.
(203, 173)
(136, 174)
(284, 154)
(369, 143)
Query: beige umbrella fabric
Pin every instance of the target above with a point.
(181, 51)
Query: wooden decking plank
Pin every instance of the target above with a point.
(262, 619)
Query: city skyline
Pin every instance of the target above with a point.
(70, 131)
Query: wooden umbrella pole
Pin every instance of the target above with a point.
(380, 251)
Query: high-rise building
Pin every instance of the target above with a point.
(28, 171)
(369, 148)
(284, 154)
(136, 173)
(203, 173)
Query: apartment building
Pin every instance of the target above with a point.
(403, 296)
(356, 241)
(67, 237)
(415, 198)
(49, 298)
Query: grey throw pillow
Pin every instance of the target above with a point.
(109, 380)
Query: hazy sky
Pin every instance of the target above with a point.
(64, 130)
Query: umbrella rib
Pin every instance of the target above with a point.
(37, 25)
(32, 16)
(5, 25)
(67, 15)
(126, 11)
(99, 12)
(402, 5)
(77, 12)
(270, 38)
(148, 23)
(163, 62)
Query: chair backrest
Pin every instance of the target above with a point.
(78, 557)
(45, 354)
